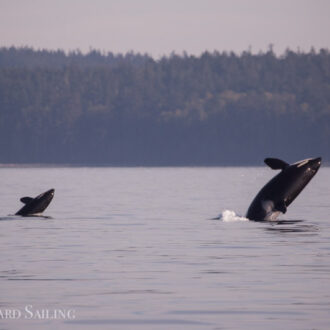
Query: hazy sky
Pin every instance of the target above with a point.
(159, 27)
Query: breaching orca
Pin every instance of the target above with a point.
(36, 205)
(281, 191)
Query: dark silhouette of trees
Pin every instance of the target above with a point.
(129, 109)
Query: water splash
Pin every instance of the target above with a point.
(231, 216)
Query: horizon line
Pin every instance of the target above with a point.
(103, 52)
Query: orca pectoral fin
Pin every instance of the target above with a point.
(280, 206)
(26, 200)
(276, 164)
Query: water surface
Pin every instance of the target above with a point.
(134, 248)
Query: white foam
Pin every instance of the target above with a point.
(231, 216)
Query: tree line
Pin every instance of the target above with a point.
(131, 109)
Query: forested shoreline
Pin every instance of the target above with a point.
(132, 110)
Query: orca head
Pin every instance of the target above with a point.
(46, 196)
(42, 201)
(298, 175)
(309, 165)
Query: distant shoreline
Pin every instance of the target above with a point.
(218, 109)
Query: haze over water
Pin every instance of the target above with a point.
(133, 248)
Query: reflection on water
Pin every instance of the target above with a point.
(292, 226)
(11, 217)
(130, 249)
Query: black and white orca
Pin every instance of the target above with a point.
(281, 191)
(36, 205)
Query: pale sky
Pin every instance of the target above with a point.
(158, 27)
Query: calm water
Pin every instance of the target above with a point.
(133, 248)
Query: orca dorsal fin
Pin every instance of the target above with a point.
(26, 200)
(276, 164)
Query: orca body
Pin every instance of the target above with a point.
(36, 205)
(281, 191)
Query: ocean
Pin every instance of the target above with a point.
(135, 248)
